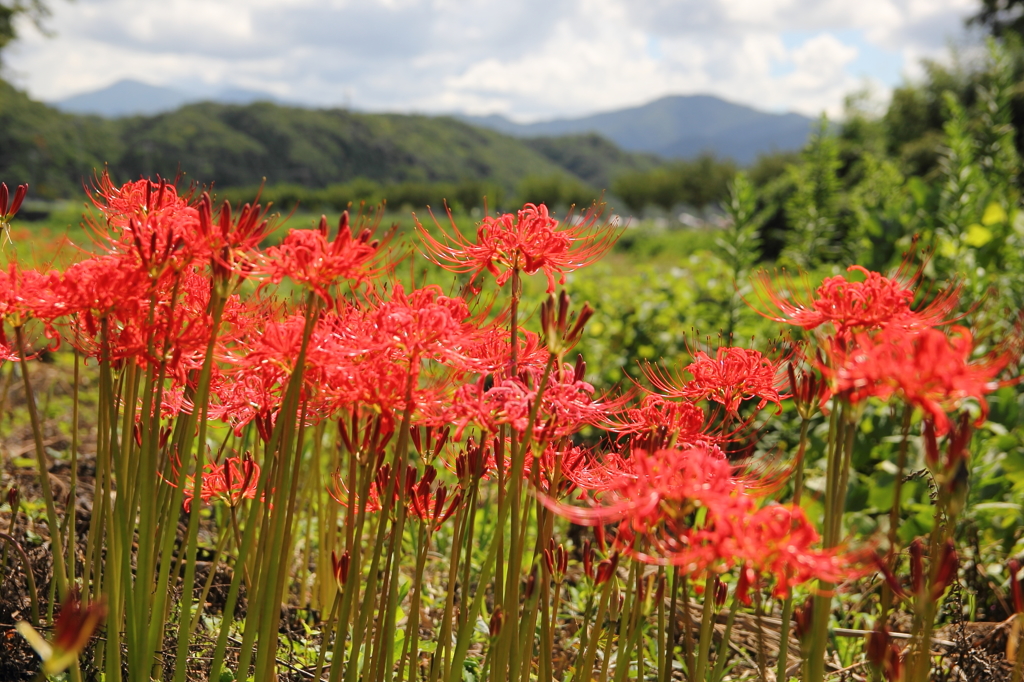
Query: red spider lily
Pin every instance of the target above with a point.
(72, 631)
(732, 376)
(233, 480)
(648, 487)
(491, 347)
(567, 405)
(654, 495)
(29, 294)
(778, 541)
(667, 421)
(851, 306)
(230, 240)
(529, 241)
(930, 369)
(341, 494)
(155, 227)
(310, 258)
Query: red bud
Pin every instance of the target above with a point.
(946, 574)
(1015, 586)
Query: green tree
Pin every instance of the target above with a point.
(36, 10)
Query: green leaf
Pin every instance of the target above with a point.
(994, 214)
(977, 235)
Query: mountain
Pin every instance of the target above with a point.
(135, 98)
(679, 126)
(240, 145)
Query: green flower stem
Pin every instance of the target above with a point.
(412, 626)
(585, 665)
(723, 647)
(325, 632)
(815, 661)
(56, 541)
(787, 606)
(707, 621)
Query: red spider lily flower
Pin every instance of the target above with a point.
(929, 369)
(233, 480)
(308, 257)
(29, 294)
(678, 422)
(529, 241)
(653, 497)
(732, 376)
(849, 306)
(567, 405)
(491, 347)
(779, 541)
(8, 210)
(648, 488)
(230, 240)
(72, 631)
(373, 503)
(154, 226)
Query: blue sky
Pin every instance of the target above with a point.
(528, 59)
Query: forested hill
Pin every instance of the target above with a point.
(240, 145)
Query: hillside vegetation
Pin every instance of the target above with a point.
(241, 146)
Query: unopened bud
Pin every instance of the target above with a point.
(12, 498)
(804, 618)
(340, 567)
(531, 585)
(497, 620)
(588, 559)
(721, 593)
(916, 566)
(949, 563)
(606, 569)
(1015, 586)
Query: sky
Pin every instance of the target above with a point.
(526, 59)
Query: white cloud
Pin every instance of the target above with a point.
(528, 59)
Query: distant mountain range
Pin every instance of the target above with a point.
(135, 98)
(681, 126)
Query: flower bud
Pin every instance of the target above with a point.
(721, 593)
(606, 569)
(916, 566)
(497, 620)
(8, 212)
(946, 575)
(340, 567)
(588, 559)
(1015, 586)
(804, 619)
(531, 584)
